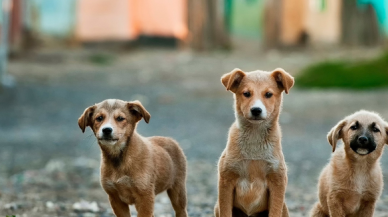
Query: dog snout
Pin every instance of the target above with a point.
(256, 111)
(107, 131)
(363, 140)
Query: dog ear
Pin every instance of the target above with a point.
(386, 134)
(137, 109)
(86, 118)
(284, 80)
(232, 79)
(335, 134)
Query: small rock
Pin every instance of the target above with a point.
(85, 206)
(12, 206)
(88, 214)
(50, 205)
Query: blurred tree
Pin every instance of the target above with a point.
(207, 25)
(359, 24)
(272, 19)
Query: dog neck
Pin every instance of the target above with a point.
(115, 155)
(357, 163)
(255, 140)
(362, 162)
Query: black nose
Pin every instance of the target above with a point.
(363, 140)
(107, 130)
(256, 111)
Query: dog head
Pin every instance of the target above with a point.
(113, 121)
(364, 133)
(258, 94)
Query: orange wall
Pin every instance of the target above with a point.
(162, 18)
(126, 19)
(293, 21)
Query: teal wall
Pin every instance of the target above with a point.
(381, 8)
(246, 18)
(51, 17)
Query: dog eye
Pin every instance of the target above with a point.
(268, 95)
(99, 118)
(354, 127)
(376, 130)
(119, 119)
(247, 94)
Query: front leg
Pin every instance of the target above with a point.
(120, 209)
(335, 205)
(367, 208)
(285, 210)
(277, 183)
(224, 205)
(145, 205)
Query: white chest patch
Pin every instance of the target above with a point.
(251, 196)
(359, 182)
(122, 187)
(246, 186)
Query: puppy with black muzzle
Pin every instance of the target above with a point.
(352, 182)
(134, 168)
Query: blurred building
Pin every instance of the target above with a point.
(99, 20)
(323, 22)
(202, 24)
(131, 18)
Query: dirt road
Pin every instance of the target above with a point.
(47, 166)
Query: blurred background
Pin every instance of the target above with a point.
(59, 57)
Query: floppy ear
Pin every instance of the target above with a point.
(386, 134)
(285, 81)
(137, 109)
(232, 79)
(86, 118)
(335, 134)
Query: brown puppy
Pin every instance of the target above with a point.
(134, 168)
(352, 181)
(252, 172)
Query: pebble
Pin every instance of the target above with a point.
(85, 206)
(201, 188)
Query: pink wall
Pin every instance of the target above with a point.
(104, 20)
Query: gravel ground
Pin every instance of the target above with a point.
(49, 168)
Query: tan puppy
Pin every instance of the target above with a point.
(134, 168)
(352, 181)
(252, 172)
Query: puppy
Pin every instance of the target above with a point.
(134, 168)
(252, 172)
(352, 181)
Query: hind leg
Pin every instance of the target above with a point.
(177, 195)
(317, 211)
